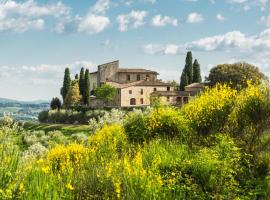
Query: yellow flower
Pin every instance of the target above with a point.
(69, 186)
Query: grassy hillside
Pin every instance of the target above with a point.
(64, 128)
(215, 147)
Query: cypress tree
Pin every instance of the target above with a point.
(66, 84)
(82, 82)
(76, 77)
(87, 87)
(197, 78)
(184, 80)
(189, 67)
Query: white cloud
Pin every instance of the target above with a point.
(135, 19)
(93, 23)
(194, 18)
(20, 17)
(159, 21)
(265, 20)
(101, 6)
(220, 17)
(43, 81)
(234, 41)
(248, 4)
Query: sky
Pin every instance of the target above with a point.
(40, 38)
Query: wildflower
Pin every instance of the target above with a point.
(69, 186)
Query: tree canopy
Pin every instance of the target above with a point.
(73, 96)
(55, 103)
(66, 83)
(105, 92)
(86, 94)
(236, 75)
(197, 78)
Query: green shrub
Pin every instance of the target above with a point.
(43, 116)
(208, 112)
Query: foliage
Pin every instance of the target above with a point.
(236, 75)
(208, 112)
(66, 84)
(73, 96)
(55, 103)
(159, 153)
(183, 81)
(82, 82)
(86, 95)
(105, 92)
(197, 78)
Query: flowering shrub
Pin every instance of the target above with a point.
(62, 157)
(208, 112)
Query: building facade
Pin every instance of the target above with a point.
(136, 86)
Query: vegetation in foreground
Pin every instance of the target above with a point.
(215, 147)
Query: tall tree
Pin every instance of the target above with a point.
(189, 67)
(55, 103)
(197, 78)
(86, 95)
(73, 96)
(82, 82)
(76, 76)
(236, 75)
(184, 80)
(66, 84)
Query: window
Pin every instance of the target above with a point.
(132, 101)
(141, 91)
(147, 77)
(155, 89)
(141, 100)
(130, 91)
(138, 77)
(168, 98)
(128, 77)
(185, 99)
(168, 88)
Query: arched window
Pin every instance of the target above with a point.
(132, 101)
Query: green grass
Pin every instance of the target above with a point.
(64, 128)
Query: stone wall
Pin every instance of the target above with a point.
(107, 72)
(93, 81)
(136, 94)
(122, 77)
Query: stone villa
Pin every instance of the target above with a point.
(136, 86)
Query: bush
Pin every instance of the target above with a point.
(208, 112)
(43, 116)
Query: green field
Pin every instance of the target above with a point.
(64, 128)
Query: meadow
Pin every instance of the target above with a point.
(214, 147)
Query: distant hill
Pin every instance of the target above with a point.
(5, 101)
(23, 110)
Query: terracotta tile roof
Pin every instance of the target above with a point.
(153, 83)
(135, 70)
(195, 85)
(174, 93)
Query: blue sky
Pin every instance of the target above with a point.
(38, 39)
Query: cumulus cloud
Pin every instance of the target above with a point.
(220, 17)
(44, 79)
(134, 19)
(101, 6)
(23, 16)
(230, 41)
(247, 4)
(194, 18)
(93, 23)
(160, 21)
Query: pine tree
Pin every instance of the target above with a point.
(197, 78)
(66, 84)
(184, 80)
(86, 95)
(82, 82)
(73, 96)
(189, 67)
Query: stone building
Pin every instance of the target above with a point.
(178, 98)
(136, 86)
